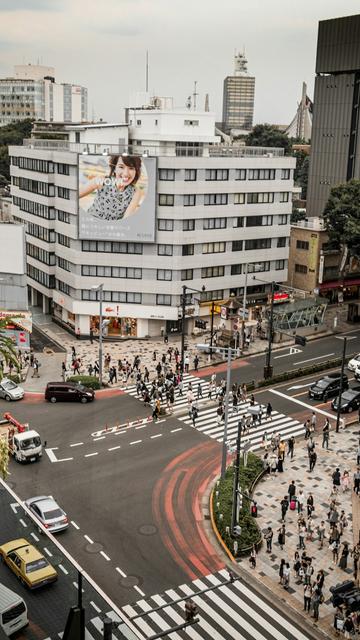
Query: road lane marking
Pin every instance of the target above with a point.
(63, 569)
(327, 355)
(35, 537)
(76, 444)
(139, 590)
(292, 352)
(64, 459)
(121, 572)
(89, 539)
(135, 442)
(95, 606)
(48, 552)
(14, 506)
(23, 522)
(158, 435)
(303, 404)
(113, 448)
(76, 587)
(300, 386)
(175, 430)
(74, 524)
(141, 427)
(100, 438)
(88, 455)
(103, 554)
(50, 453)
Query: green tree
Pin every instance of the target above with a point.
(7, 349)
(297, 215)
(266, 135)
(301, 172)
(4, 457)
(13, 133)
(342, 217)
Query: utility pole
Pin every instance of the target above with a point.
(228, 378)
(268, 367)
(212, 327)
(242, 344)
(236, 481)
(183, 311)
(101, 295)
(341, 386)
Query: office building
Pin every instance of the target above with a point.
(212, 210)
(238, 98)
(33, 93)
(335, 140)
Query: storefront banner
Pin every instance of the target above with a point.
(21, 339)
(21, 319)
(117, 198)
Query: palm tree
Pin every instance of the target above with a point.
(7, 348)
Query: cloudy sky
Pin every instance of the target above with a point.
(102, 45)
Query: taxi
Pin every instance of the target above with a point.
(28, 564)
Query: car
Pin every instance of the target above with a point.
(68, 391)
(28, 563)
(357, 374)
(10, 391)
(48, 512)
(349, 401)
(328, 386)
(354, 363)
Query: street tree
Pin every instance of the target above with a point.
(7, 349)
(342, 218)
(266, 135)
(4, 458)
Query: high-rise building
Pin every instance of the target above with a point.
(33, 93)
(335, 140)
(238, 97)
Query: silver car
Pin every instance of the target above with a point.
(10, 391)
(48, 512)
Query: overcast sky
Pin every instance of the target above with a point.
(102, 45)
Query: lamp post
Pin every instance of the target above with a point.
(183, 312)
(244, 309)
(268, 367)
(100, 289)
(338, 412)
(212, 327)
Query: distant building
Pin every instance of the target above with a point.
(13, 283)
(238, 98)
(335, 140)
(300, 126)
(33, 93)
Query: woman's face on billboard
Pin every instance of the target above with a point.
(123, 173)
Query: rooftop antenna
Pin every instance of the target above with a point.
(207, 106)
(147, 72)
(195, 94)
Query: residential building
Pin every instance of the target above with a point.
(33, 93)
(238, 98)
(217, 209)
(335, 140)
(13, 285)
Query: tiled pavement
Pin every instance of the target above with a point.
(271, 490)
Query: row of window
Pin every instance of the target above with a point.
(167, 224)
(40, 254)
(47, 235)
(111, 272)
(100, 246)
(42, 188)
(112, 296)
(42, 166)
(35, 208)
(258, 267)
(65, 264)
(211, 199)
(39, 276)
(223, 174)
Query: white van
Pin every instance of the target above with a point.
(13, 611)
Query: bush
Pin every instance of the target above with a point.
(250, 533)
(92, 382)
(296, 373)
(15, 377)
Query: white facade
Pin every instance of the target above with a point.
(13, 290)
(215, 213)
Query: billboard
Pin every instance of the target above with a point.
(117, 198)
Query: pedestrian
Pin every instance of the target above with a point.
(291, 447)
(284, 504)
(73, 352)
(313, 422)
(320, 579)
(90, 369)
(91, 336)
(292, 490)
(273, 463)
(315, 603)
(199, 391)
(334, 548)
(310, 505)
(312, 460)
(280, 464)
(286, 575)
(252, 400)
(321, 533)
(338, 621)
(243, 390)
(336, 478)
(268, 411)
(345, 481)
(282, 447)
(196, 362)
(35, 367)
(194, 415)
(265, 441)
(344, 556)
(326, 434)
(166, 339)
(348, 627)
(356, 487)
(300, 501)
(310, 445)
(307, 597)
(190, 610)
(302, 534)
(235, 404)
(358, 449)
(268, 535)
(307, 428)
(281, 571)
(186, 363)
(356, 556)
(342, 522)
(252, 558)
(281, 536)
(63, 371)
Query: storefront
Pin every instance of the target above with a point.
(338, 291)
(122, 327)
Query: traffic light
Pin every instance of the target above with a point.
(301, 340)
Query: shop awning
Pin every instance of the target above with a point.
(335, 284)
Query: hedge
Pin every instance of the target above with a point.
(92, 382)
(295, 373)
(250, 533)
(15, 377)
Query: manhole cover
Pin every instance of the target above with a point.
(147, 530)
(129, 581)
(94, 548)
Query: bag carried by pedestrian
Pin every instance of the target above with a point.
(293, 504)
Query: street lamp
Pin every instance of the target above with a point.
(100, 289)
(268, 368)
(183, 311)
(341, 386)
(229, 351)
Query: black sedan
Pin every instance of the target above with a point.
(350, 401)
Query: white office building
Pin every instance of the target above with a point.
(33, 93)
(218, 208)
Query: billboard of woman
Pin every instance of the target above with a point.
(117, 197)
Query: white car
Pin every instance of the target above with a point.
(10, 391)
(354, 363)
(48, 512)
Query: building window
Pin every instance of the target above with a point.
(257, 243)
(191, 123)
(138, 123)
(63, 169)
(45, 279)
(215, 198)
(165, 249)
(260, 198)
(213, 247)
(279, 265)
(62, 192)
(284, 196)
(162, 298)
(240, 174)
(302, 244)
(188, 225)
(187, 250)
(237, 245)
(63, 216)
(48, 235)
(239, 198)
(190, 200)
(190, 175)
(259, 221)
(100, 246)
(187, 274)
(285, 174)
(283, 219)
(301, 268)
(166, 200)
(64, 240)
(165, 225)
(214, 223)
(111, 272)
(281, 242)
(209, 296)
(112, 296)
(63, 287)
(34, 186)
(238, 222)
(166, 174)
(64, 264)
(164, 274)
(40, 254)
(258, 267)
(35, 208)
(212, 272)
(217, 174)
(261, 174)
(236, 269)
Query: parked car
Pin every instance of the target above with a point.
(354, 363)
(48, 512)
(357, 374)
(349, 401)
(13, 612)
(10, 391)
(28, 564)
(70, 391)
(328, 386)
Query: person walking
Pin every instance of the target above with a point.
(356, 479)
(310, 505)
(286, 576)
(268, 411)
(313, 422)
(268, 535)
(281, 536)
(63, 371)
(321, 533)
(284, 504)
(291, 447)
(194, 415)
(292, 490)
(281, 571)
(315, 603)
(199, 391)
(196, 362)
(35, 368)
(312, 460)
(307, 428)
(336, 478)
(302, 534)
(187, 363)
(300, 501)
(326, 434)
(91, 336)
(252, 558)
(307, 597)
(344, 556)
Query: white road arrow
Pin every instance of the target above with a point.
(300, 386)
(14, 506)
(52, 457)
(292, 351)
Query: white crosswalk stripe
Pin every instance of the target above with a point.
(207, 423)
(180, 401)
(229, 612)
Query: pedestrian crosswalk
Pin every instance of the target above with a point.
(231, 611)
(94, 629)
(180, 400)
(207, 423)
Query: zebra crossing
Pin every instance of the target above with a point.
(231, 611)
(207, 423)
(180, 401)
(94, 629)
